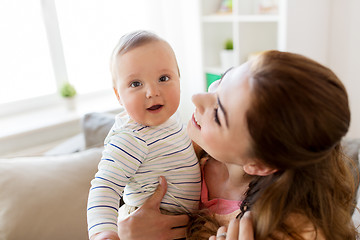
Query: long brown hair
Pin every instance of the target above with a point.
(298, 114)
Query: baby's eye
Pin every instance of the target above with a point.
(135, 84)
(164, 78)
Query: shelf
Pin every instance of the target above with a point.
(50, 124)
(257, 18)
(214, 70)
(216, 18)
(251, 30)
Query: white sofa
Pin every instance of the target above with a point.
(45, 197)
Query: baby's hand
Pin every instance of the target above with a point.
(106, 235)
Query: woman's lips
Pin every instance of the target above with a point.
(195, 122)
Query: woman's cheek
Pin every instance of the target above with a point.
(210, 139)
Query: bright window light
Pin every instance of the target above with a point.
(89, 31)
(26, 70)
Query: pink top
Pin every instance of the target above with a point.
(217, 205)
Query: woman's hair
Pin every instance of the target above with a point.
(128, 42)
(297, 116)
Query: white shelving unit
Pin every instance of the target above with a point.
(300, 26)
(250, 31)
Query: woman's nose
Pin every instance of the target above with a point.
(152, 91)
(202, 100)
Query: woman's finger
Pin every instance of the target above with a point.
(178, 233)
(155, 200)
(233, 230)
(246, 230)
(177, 220)
(221, 233)
(151, 222)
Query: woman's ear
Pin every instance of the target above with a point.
(258, 169)
(117, 95)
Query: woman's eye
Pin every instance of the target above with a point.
(216, 116)
(135, 84)
(164, 79)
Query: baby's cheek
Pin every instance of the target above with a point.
(135, 111)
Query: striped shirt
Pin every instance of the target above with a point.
(133, 159)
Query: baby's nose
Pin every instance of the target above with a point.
(152, 91)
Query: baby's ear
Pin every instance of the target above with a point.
(258, 169)
(117, 95)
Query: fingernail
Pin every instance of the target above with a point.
(160, 180)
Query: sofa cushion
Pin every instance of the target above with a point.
(46, 197)
(351, 147)
(96, 126)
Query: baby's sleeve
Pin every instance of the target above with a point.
(124, 152)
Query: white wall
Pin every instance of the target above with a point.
(328, 32)
(344, 53)
(307, 28)
(181, 25)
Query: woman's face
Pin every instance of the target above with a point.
(218, 124)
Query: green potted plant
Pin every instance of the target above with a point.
(227, 55)
(68, 92)
(229, 45)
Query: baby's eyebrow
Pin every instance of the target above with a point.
(224, 112)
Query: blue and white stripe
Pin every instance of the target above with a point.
(133, 159)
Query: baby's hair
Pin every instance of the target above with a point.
(130, 41)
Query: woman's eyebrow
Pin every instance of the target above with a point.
(222, 76)
(225, 73)
(224, 111)
(228, 70)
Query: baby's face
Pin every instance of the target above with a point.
(148, 83)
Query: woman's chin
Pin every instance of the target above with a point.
(191, 130)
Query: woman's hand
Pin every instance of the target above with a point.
(237, 230)
(147, 222)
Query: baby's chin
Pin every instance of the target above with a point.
(154, 116)
(152, 123)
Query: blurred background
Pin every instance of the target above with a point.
(49, 48)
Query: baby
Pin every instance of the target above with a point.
(146, 141)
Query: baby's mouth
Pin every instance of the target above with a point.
(155, 107)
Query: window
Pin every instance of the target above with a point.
(49, 42)
(89, 31)
(26, 70)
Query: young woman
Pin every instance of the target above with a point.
(274, 126)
